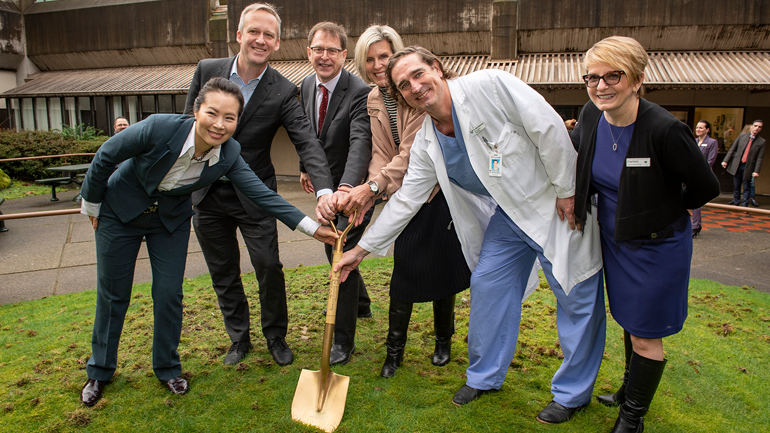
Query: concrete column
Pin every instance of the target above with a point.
(504, 27)
(218, 36)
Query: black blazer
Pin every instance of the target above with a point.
(753, 161)
(649, 198)
(146, 152)
(346, 134)
(273, 104)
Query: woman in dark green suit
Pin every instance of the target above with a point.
(162, 161)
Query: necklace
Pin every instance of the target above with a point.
(206, 152)
(614, 141)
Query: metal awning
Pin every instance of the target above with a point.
(170, 79)
(739, 70)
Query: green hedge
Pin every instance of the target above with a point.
(18, 144)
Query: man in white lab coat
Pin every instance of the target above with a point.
(506, 215)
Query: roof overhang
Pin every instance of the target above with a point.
(735, 70)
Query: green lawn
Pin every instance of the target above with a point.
(20, 188)
(716, 379)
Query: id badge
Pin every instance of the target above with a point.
(495, 165)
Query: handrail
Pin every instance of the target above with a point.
(737, 208)
(38, 214)
(46, 156)
(75, 211)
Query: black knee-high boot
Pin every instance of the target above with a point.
(619, 397)
(398, 325)
(444, 325)
(643, 378)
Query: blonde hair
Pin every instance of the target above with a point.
(370, 36)
(620, 52)
(267, 7)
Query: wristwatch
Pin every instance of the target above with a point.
(374, 187)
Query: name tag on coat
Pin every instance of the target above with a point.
(637, 162)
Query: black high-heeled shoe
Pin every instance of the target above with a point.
(695, 232)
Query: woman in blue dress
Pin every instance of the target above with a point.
(646, 171)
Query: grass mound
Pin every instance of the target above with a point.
(716, 379)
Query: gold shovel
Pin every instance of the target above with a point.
(320, 397)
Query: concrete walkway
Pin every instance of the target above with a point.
(56, 255)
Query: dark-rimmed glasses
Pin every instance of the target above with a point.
(319, 51)
(610, 78)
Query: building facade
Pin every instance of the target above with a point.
(88, 61)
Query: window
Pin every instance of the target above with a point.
(54, 113)
(164, 104)
(16, 114)
(132, 109)
(70, 114)
(27, 114)
(84, 110)
(148, 106)
(180, 101)
(41, 114)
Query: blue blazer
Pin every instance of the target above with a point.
(146, 152)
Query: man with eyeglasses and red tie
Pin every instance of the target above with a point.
(335, 102)
(744, 160)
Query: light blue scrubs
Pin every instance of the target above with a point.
(497, 287)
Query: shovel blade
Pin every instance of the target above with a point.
(304, 406)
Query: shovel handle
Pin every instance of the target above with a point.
(334, 290)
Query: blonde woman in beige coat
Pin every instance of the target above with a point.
(428, 259)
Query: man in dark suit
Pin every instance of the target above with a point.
(271, 102)
(335, 101)
(744, 160)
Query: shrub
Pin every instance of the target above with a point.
(81, 132)
(18, 144)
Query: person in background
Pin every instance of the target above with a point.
(708, 146)
(746, 129)
(163, 160)
(428, 261)
(744, 161)
(647, 171)
(121, 123)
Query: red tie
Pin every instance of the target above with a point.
(746, 152)
(322, 110)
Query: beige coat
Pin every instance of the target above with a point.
(388, 164)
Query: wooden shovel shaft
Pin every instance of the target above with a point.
(331, 317)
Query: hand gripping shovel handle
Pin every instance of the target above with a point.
(331, 314)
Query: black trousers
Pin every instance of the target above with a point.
(353, 291)
(215, 221)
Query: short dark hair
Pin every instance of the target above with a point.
(222, 85)
(426, 56)
(331, 29)
(758, 121)
(706, 122)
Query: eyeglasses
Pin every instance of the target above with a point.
(610, 78)
(319, 51)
